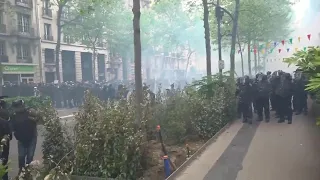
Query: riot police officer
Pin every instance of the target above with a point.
(262, 98)
(244, 93)
(284, 94)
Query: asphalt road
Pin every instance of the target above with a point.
(66, 116)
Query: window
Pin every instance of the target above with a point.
(23, 23)
(68, 39)
(46, 8)
(1, 17)
(47, 31)
(46, 4)
(65, 12)
(49, 55)
(2, 48)
(23, 51)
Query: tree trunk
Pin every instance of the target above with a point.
(125, 68)
(188, 61)
(255, 58)
(137, 58)
(57, 53)
(207, 35)
(249, 57)
(259, 62)
(239, 44)
(94, 62)
(234, 38)
(1, 79)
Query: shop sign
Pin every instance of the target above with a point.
(17, 68)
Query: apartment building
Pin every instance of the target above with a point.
(76, 59)
(19, 41)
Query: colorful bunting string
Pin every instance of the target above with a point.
(275, 43)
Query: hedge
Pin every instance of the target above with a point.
(31, 102)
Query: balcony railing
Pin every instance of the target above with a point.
(3, 28)
(24, 3)
(47, 12)
(24, 31)
(47, 37)
(4, 58)
(24, 60)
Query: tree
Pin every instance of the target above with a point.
(262, 21)
(207, 35)
(94, 27)
(137, 58)
(259, 21)
(171, 27)
(64, 6)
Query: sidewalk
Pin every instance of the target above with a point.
(262, 151)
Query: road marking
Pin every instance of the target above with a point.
(68, 116)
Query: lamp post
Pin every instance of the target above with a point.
(219, 14)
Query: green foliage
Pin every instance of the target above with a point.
(31, 102)
(107, 143)
(168, 26)
(260, 20)
(309, 62)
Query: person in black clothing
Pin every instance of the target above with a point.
(284, 93)
(244, 93)
(5, 136)
(24, 127)
(262, 98)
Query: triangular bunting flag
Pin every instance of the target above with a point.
(282, 42)
(305, 48)
(309, 36)
(290, 40)
(268, 44)
(296, 49)
(275, 44)
(255, 51)
(299, 39)
(262, 51)
(279, 50)
(288, 49)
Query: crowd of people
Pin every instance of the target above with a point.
(71, 94)
(279, 88)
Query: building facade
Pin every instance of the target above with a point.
(19, 41)
(76, 59)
